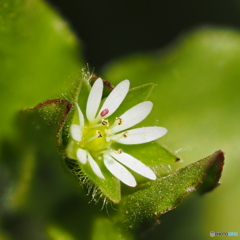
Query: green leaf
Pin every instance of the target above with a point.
(213, 173)
(143, 208)
(39, 57)
(56, 113)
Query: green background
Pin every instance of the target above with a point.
(196, 98)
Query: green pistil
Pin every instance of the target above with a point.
(94, 139)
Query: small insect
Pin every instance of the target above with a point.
(104, 112)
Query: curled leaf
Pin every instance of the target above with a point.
(143, 208)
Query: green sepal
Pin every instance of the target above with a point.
(83, 91)
(108, 187)
(39, 57)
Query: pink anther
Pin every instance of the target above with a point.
(104, 112)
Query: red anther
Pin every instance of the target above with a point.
(104, 112)
(69, 106)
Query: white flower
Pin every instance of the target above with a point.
(96, 137)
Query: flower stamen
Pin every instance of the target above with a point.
(104, 112)
(118, 151)
(126, 134)
(119, 121)
(98, 134)
(105, 122)
(85, 147)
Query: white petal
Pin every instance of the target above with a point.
(119, 171)
(82, 156)
(140, 135)
(76, 132)
(134, 116)
(135, 165)
(115, 98)
(80, 116)
(95, 166)
(94, 99)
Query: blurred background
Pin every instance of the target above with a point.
(112, 29)
(190, 49)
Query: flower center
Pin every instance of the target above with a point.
(94, 139)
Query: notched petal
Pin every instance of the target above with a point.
(95, 166)
(140, 135)
(82, 156)
(94, 99)
(134, 116)
(134, 164)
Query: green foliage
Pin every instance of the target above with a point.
(139, 208)
(38, 54)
